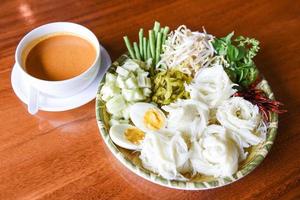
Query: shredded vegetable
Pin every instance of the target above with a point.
(168, 86)
(187, 51)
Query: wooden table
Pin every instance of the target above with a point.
(62, 156)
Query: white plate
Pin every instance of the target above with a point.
(48, 103)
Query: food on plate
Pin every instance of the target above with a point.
(165, 154)
(240, 65)
(130, 84)
(126, 136)
(264, 103)
(147, 117)
(187, 51)
(242, 119)
(187, 116)
(187, 102)
(168, 86)
(212, 86)
(148, 49)
(214, 153)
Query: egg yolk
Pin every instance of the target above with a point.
(153, 119)
(134, 135)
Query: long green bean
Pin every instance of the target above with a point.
(129, 47)
(148, 49)
(165, 34)
(156, 28)
(136, 50)
(152, 43)
(158, 46)
(145, 49)
(141, 33)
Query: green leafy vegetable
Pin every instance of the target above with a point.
(239, 54)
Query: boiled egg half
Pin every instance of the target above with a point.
(126, 136)
(147, 117)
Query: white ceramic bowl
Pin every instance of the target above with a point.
(68, 87)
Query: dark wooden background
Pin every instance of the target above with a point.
(62, 156)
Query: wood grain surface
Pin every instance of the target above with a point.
(62, 156)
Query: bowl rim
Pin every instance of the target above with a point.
(263, 148)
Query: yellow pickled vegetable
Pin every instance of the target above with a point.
(168, 86)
